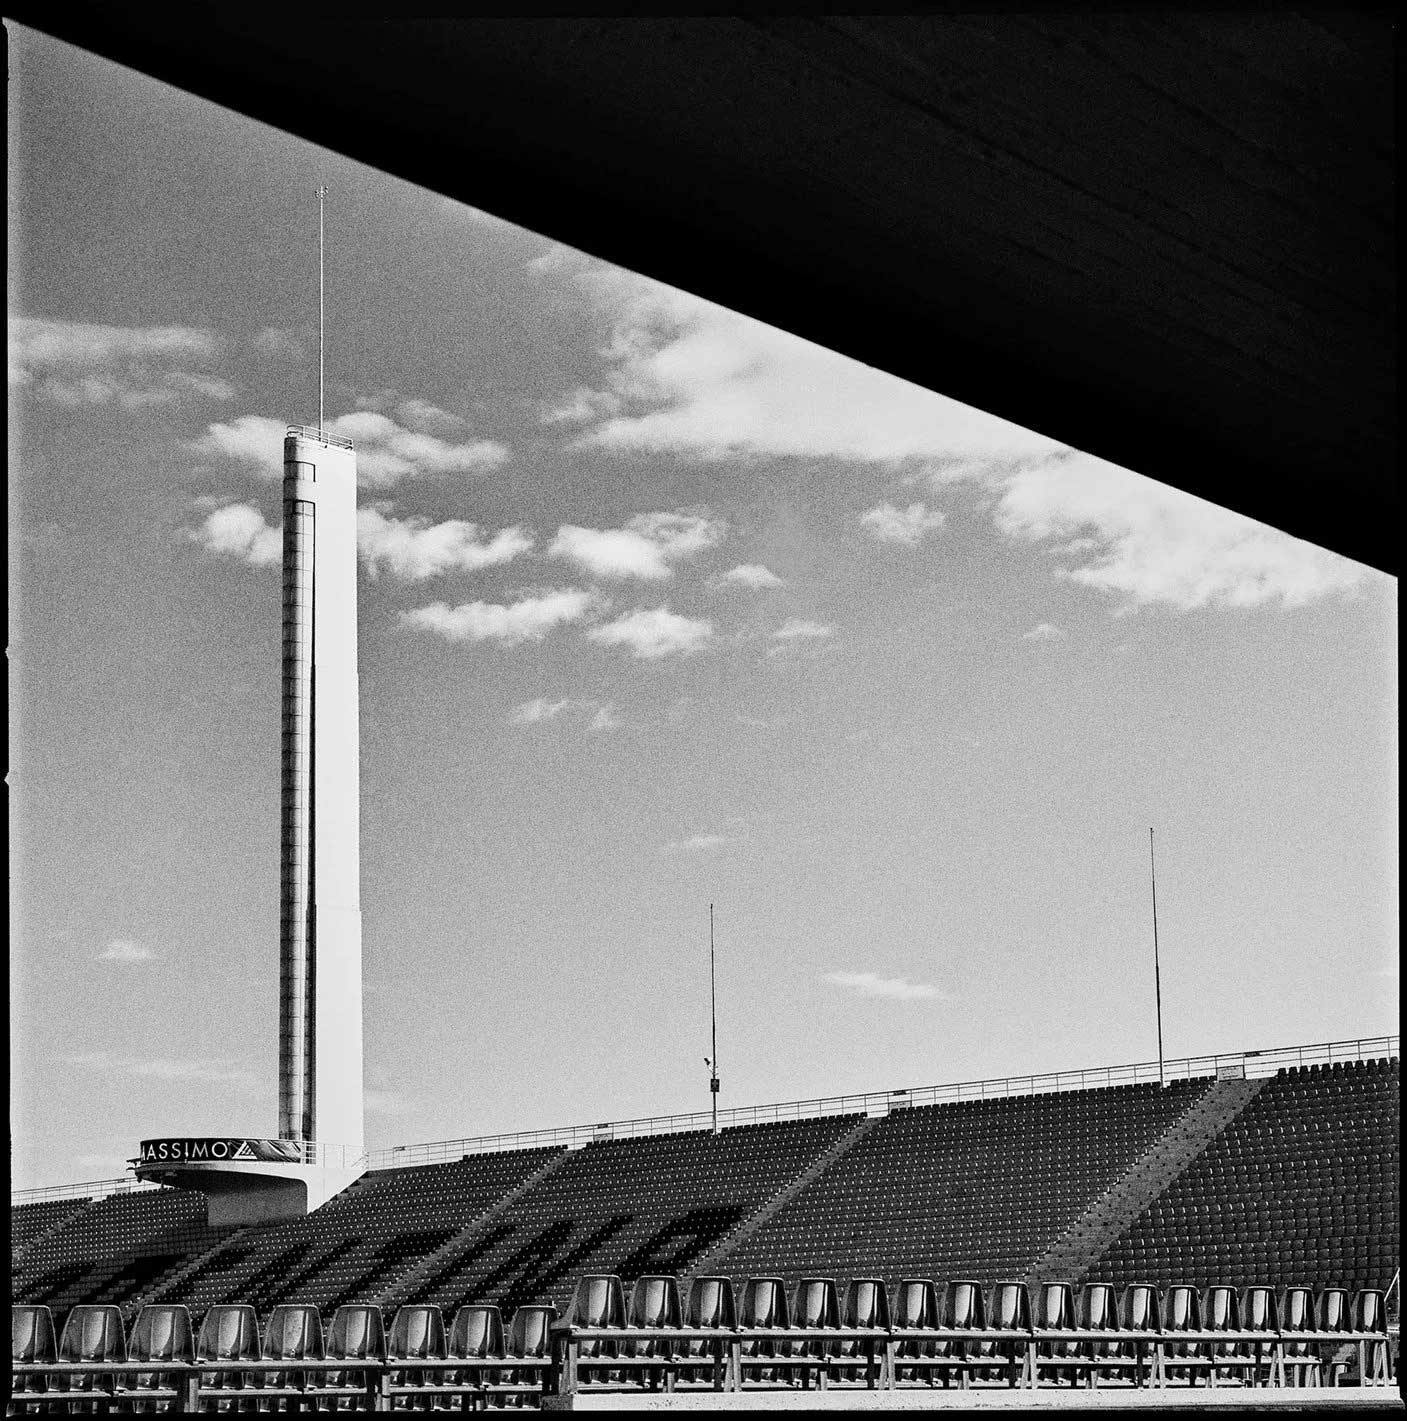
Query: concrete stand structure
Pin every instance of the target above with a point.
(320, 1146)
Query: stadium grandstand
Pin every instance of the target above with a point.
(1257, 1186)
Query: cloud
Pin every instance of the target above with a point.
(76, 363)
(799, 629)
(529, 619)
(870, 984)
(415, 548)
(754, 575)
(387, 452)
(124, 950)
(1043, 631)
(696, 843)
(280, 343)
(250, 439)
(644, 548)
(605, 718)
(581, 405)
(654, 633)
(688, 376)
(165, 1068)
(1147, 543)
(535, 712)
(902, 525)
(239, 530)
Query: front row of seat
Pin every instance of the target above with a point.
(1253, 1318)
(229, 1335)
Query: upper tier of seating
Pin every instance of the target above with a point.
(112, 1249)
(651, 1205)
(359, 1244)
(1302, 1184)
(973, 1189)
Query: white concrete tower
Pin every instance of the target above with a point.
(320, 934)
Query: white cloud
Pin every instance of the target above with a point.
(581, 405)
(754, 575)
(125, 950)
(605, 718)
(644, 548)
(799, 629)
(77, 363)
(239, 530)
(1148, 543)
(693, 377)
(891, 524)
(534, 712)
(415, 548)
(870, 984)
(537, 711)
(387, 452)
(654, 633)
(250, 439)
(1043, 631)
(696, 843)
(529, 619)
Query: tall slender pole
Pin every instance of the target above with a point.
(1157, 973)
(322, 193)
(713, 1015)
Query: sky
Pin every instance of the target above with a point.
(659, 607)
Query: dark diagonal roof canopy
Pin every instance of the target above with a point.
(1167, 239)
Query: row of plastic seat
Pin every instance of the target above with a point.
(599, 1301)
(229, 1334)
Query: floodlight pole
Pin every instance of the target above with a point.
(713, 1015)
(1157, 974)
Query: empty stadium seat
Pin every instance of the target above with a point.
(91, 1333)
(1098, 1311)
(31, 1340)
(598, 1300)
(1055, 1309)
(530, 1335)
(161, 1333)
(814, 1303)
(229, 1332)
(917, 1304)
(763, 1303)
(710, 1302)
(477, 1332)
(355, 1334)
(292, 1333)
(654, 1302)
(866, 1305)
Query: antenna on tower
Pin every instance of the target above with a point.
(713, 1015)
(322, 193)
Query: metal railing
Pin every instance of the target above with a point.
(93, 1189)
(1249, 1063)
(311, 431)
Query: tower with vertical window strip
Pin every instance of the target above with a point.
(320, 1008)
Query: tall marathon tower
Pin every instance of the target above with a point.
(320, 1145)
(320, 924)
